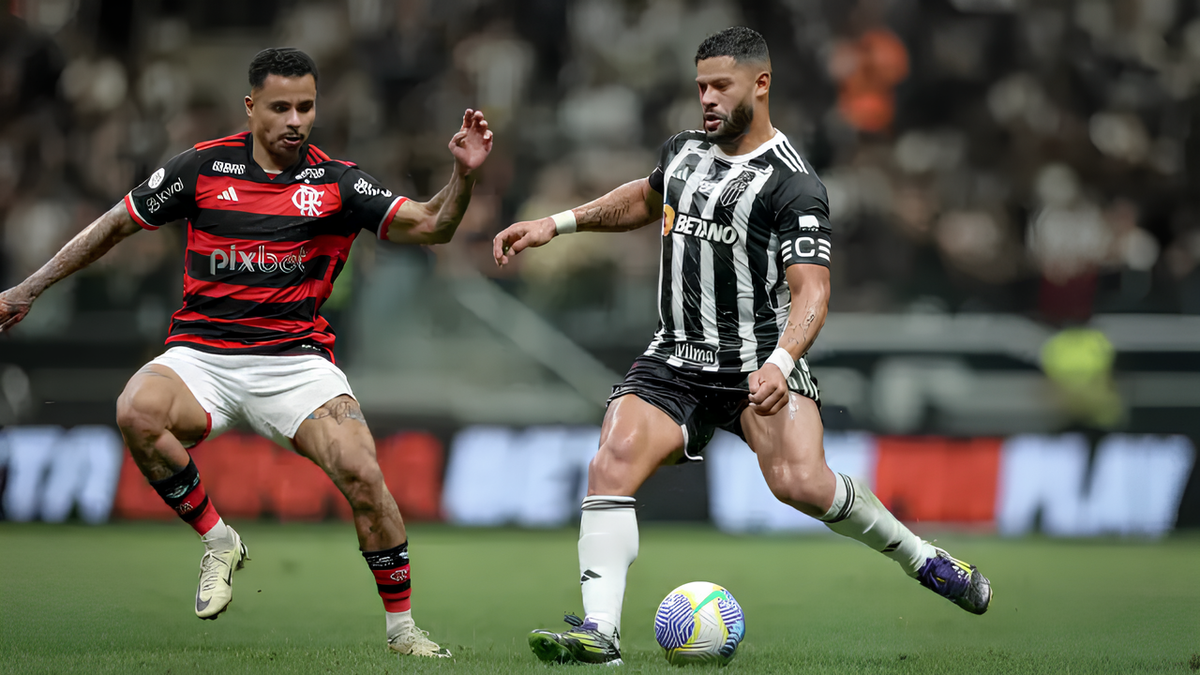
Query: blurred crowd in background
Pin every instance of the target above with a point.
(980, 155)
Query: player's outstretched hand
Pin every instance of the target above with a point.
(14, 305)
(471, 145)
(520, 236)
(768, 390)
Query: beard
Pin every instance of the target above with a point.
(734, 126)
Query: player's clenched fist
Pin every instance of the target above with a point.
(768, 390)
(14, 305)
(520, 236)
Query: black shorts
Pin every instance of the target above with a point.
(700, 402)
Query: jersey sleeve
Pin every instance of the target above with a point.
(168, 194)
(664, 159)
(802, 219)
(370, 204)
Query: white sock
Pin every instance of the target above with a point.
(219, 537)
(857, 513)
(608, 544)
(396, 621)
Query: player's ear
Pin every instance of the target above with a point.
(249, 106)
(762, 85)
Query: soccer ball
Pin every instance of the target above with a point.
(699, 623)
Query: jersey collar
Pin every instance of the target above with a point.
(285, 176)
(776, 139)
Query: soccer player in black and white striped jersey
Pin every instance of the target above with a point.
(743, 292)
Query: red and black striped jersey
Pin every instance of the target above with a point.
(263, 250)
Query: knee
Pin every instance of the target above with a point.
(361, 481)
(799, 486)
(613, 459)
(141, 414)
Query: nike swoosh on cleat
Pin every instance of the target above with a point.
(201, 605)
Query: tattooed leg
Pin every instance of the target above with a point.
(339, 410)
(335, 437)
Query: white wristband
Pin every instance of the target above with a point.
(783, 360)
(564, 223)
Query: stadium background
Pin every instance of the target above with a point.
(1012, 359)
(1016, 297)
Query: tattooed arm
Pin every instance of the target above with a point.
(810, 303)
(633, 205)
(87, 246)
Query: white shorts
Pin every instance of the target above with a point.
(271, 394)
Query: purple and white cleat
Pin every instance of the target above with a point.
(957, 581)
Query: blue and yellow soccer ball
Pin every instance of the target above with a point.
(699, 623)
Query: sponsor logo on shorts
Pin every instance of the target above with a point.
(159, 199)
(254, 261)
(226, 167)
(695, 354)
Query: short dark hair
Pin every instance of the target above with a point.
(285, 61)
(745, 45)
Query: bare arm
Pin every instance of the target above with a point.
(84, 249)
(629, 207)
(434, 221)
(810, 304)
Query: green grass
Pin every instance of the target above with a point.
(118, 599)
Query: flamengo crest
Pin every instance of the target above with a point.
(308, 200)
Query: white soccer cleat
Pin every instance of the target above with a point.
(413, 641)
(215, 591)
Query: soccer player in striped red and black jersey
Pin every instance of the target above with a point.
(743, 292)
(270, 219)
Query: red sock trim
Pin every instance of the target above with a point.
(395, 588)
(197, 510)
(207, 520)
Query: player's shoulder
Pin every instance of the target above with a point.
(792, 171)
(679, 140)
(226, 155)
(690, 135)
(788, 161)
(216, 145)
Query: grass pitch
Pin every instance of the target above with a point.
(118, 599)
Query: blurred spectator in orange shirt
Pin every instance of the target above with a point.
(867, 67)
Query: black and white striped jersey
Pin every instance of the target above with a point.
(731, 225)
